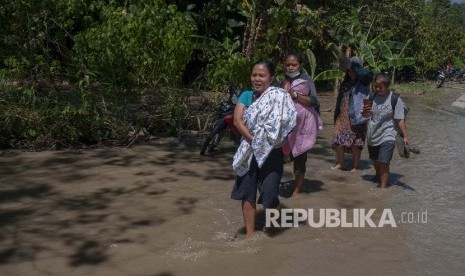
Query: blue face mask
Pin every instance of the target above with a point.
(293, 74)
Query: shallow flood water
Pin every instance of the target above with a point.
(437, 178)
(160, 210)
(427, 199)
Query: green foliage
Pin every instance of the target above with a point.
(172, 118)
(34, 121)
(311, 61)
(376, 51)
(72, 70)
(232, 71)
(145, 43)
(329, 75)
(439, 41)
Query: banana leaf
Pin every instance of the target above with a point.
(396, 62)
(355, 22)
(394, 45)
(405, 47)
(383, 36)
(311, 61)
(367, 55)
(333, 48)
(329, 75)
(384, 49)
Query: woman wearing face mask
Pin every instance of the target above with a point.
(264, 125)
(350, 126)
(302, 90)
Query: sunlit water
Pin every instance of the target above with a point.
(429, 190)
(437, 181)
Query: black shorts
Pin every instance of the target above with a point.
(266, 179)
(382, 153)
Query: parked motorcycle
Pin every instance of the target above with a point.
(460, 76)
(440, 78)
(223, 124)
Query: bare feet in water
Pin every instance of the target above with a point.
(297, 191)
(338, 167)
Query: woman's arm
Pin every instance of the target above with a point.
(311, 98)
(304, 100)
(239, 122)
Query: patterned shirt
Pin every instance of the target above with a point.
(269, 119)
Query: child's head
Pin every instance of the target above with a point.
(382, 82)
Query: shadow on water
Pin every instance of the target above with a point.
(22, 192)
(164, 274)
(286, 189)
(82, 223)
(86, 225)
(394, 180)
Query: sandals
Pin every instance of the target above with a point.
(404, 151)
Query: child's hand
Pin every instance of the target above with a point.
(366, 112)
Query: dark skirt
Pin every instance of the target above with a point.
(265, 179)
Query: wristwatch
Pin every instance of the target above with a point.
(295, 95)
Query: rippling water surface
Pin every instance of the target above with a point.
(435, 183)
(429, 239)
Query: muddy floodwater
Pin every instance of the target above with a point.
(162, 209)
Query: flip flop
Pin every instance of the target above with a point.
(401, 148)
(404, 151)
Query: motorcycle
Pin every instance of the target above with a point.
(460, 76)
(440, 78)
(223, 123)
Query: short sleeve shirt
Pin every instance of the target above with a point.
(381, 126)
(246, 98)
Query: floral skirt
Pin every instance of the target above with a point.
(349, 136)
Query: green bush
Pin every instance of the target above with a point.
(234, 71)
(33, 121)
(144, 44)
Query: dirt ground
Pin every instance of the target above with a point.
(124, 211)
